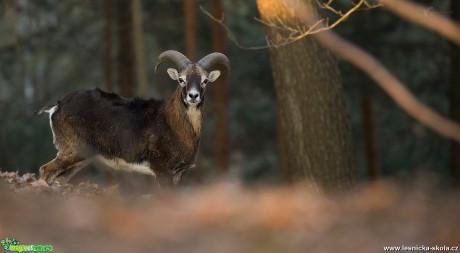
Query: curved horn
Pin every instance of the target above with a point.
(175, 57)
(212, 59)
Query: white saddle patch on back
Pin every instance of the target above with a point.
(121, 164)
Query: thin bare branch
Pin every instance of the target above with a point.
(230, 34)
(426, 17)
(328, 6)
(364, 61)
(297, 33)
(389, 83)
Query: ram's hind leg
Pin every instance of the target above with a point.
(61, 168)
(68, 173)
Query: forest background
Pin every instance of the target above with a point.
(49, 48)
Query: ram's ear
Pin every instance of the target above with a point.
(213, 75)
(173, 74)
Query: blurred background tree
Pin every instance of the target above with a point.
(455, 96)
(50, 47)
(311, 101)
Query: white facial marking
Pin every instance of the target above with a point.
(193, 97)
(121, 164)
(204, 81)
(182, 80)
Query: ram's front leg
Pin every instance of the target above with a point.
(165, 181)
(169, 180)
(177, 176)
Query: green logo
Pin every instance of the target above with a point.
(14, 245)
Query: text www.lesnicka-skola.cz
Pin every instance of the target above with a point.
(421, 248)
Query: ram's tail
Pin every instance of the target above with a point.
(46, 109)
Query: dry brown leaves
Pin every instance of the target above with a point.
(29, 184)
(227, 217)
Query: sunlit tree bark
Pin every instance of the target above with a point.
(308, 87)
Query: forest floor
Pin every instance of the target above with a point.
(227, 217)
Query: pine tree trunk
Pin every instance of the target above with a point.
(108, 81)
(311, 103)
(190, 29)
(108, 45)
(125, 54)
(18, 73)
(221, 95)
(138, 39)
(370, 139)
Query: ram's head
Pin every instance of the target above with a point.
(193, 77)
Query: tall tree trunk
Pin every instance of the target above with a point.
(125, 55)
(282, 153)
(108, 80)
(311, 100)
(367, 114)
(370, 138)
(18, 74)
(455, 97)
(108, 45)
(190, 29)
(221, 95)
(138, 37)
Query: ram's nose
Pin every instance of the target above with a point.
(193, 96)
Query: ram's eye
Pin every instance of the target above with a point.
(205, 81)
(181, 80)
